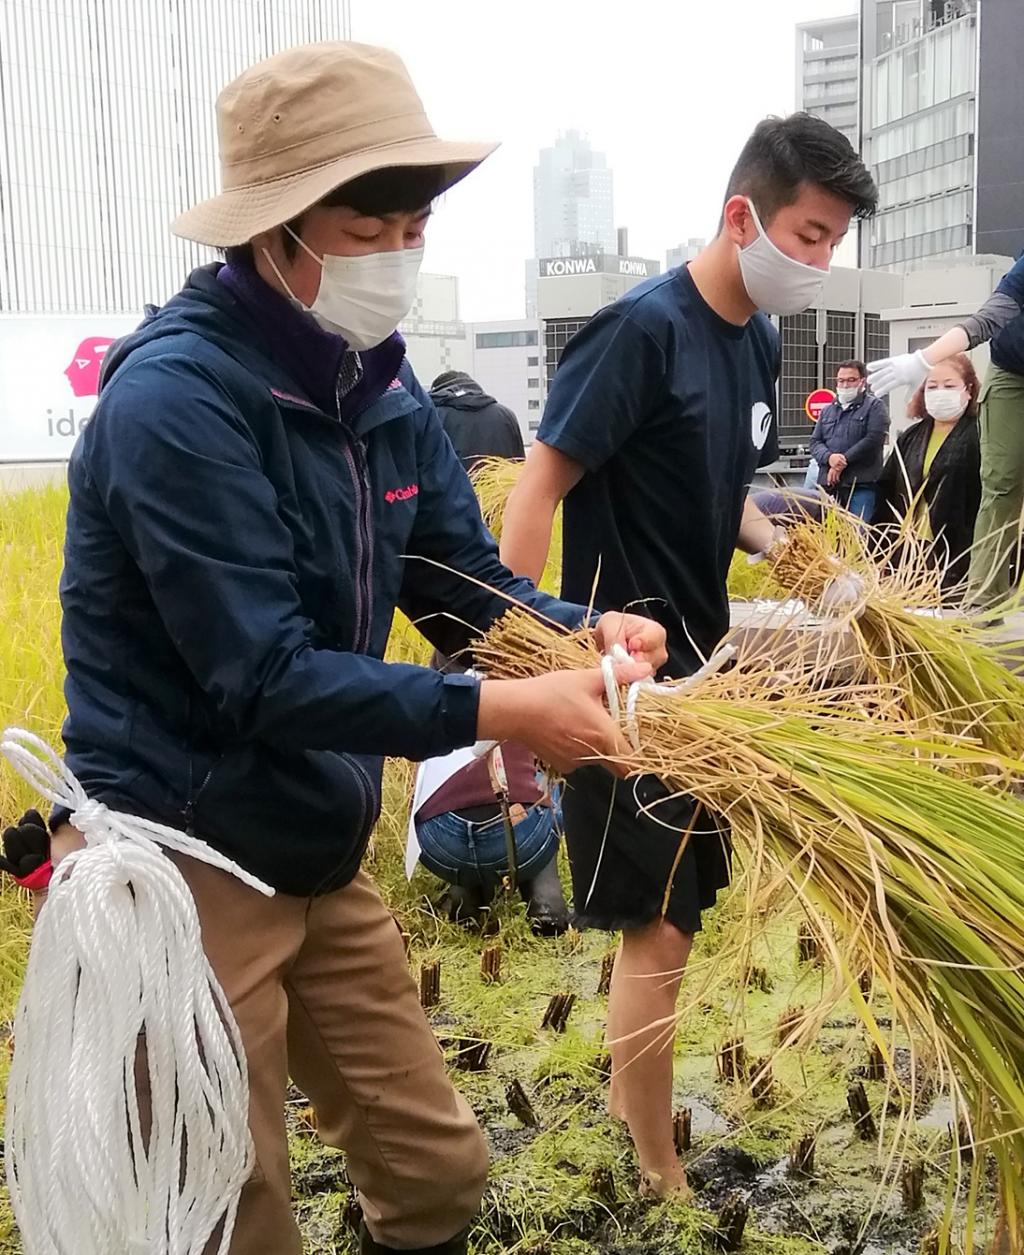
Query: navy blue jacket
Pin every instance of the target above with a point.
(233, 560)
(858, 431)
(1007, 347)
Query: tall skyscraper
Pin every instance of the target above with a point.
(941, 128)
(572, 200)
(107, 131)
(828, 72)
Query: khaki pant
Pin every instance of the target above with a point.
(321, 992)
(997, 530)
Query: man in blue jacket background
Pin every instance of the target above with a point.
(849, 441)
(263, 483)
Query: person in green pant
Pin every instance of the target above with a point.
(997, 531)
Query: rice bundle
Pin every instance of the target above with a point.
(493, 480)
(903, 840)
(939, 662)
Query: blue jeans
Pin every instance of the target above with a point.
(862, 501)
(474, 856)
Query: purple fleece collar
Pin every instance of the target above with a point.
(310, 355)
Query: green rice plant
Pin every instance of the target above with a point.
(903, 846)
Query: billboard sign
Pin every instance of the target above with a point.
(49, 377)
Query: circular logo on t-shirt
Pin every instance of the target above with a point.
(760, 424)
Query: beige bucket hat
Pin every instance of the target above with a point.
(301, 123)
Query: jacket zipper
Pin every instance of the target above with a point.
(190, 805)
(356, 459)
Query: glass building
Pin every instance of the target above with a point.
(107, 131)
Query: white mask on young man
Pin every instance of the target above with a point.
(945, 404)
(776, 283)
(362, 299)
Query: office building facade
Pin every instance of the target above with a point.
(683, 253)
(573, 207)
(107, 131)
(506, 362)
(828, 72)
(572, 200)
(941, 107)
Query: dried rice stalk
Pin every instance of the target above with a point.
(903, 845)
(947, 674)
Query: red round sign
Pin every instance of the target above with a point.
(819, 399)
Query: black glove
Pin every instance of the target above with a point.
(26, 845)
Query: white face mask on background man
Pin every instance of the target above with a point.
(362, 299)
(945, 404)
(848, 394)
(775, 282)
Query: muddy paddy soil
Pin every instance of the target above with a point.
(569, 1184)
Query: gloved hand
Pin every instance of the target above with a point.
(779, 538)
(907, 370)
(843, 593)
(26, 854)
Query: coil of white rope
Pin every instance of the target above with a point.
(618, 655)
(117, 959)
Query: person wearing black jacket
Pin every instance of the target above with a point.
(476, 424)
(935, 469)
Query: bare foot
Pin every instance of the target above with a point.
(670, 1184)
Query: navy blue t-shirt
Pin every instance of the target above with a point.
(670, 409)
(1007, 348)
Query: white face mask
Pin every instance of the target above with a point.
(362, 299)
(945, 404)
(776, 283)
(847, 396)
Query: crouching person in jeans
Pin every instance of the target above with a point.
(262, 483)
(465, 810)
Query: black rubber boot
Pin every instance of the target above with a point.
(464, 904)
(545, 903)
(457, 1245)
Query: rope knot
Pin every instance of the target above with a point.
(92, 819)
(618, 655)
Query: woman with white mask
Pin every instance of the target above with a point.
(935, 469)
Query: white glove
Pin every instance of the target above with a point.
(843, 593)
(779, 537)
(908, 370)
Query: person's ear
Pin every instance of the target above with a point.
(738, 221)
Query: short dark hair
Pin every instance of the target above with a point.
(783, 153)
(393, 190)
(853, 364)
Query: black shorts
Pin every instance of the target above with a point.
(627, 869)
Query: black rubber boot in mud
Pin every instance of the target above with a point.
(545, 903)
(466, 905)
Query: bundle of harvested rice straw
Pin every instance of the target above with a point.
(938, 661)
(903, 842)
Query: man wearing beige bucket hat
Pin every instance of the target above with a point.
(263, 482)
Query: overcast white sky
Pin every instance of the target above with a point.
(668, 89)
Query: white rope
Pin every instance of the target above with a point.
(117, 954)
(678, 688)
